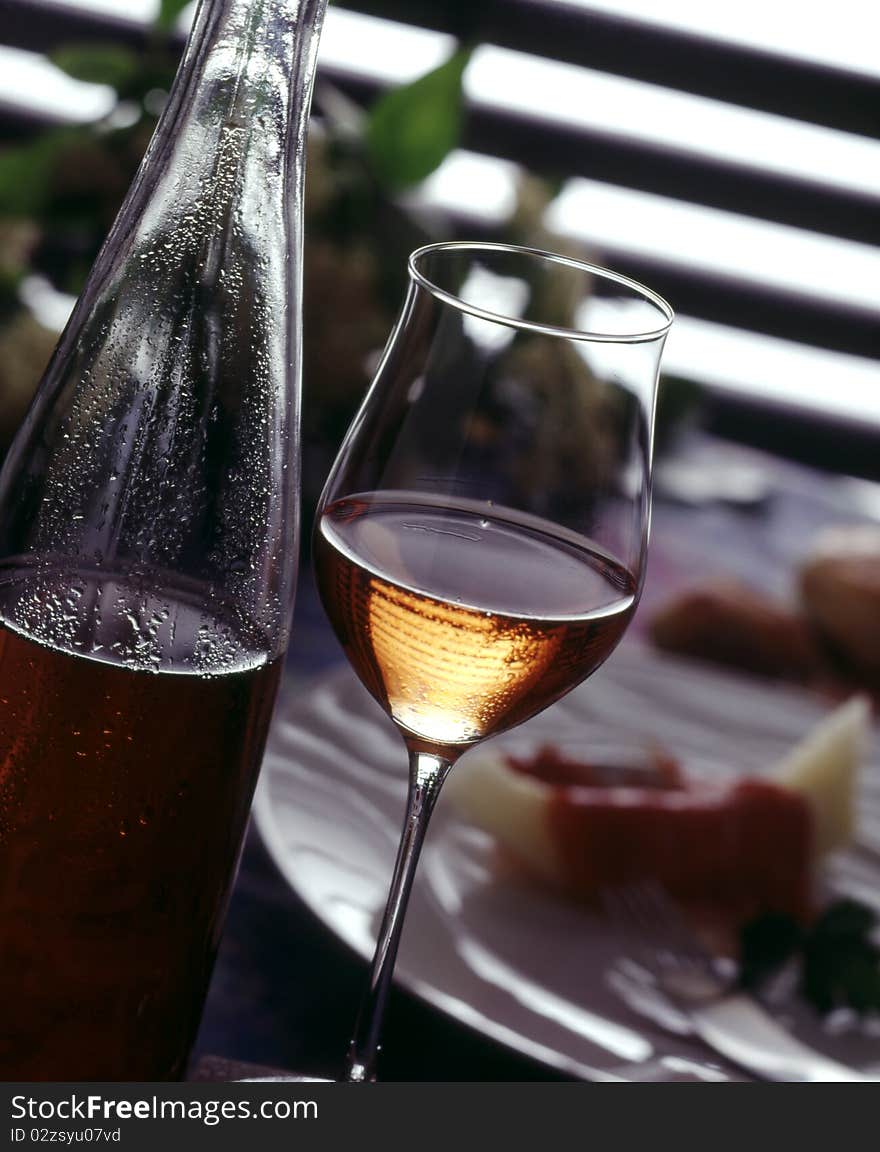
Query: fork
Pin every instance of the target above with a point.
(703, 988)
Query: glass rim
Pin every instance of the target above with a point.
(647, 294)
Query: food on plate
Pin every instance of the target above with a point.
(822, 768)
(840, 590)
(730, 624)
(745, 845)
(829, 639)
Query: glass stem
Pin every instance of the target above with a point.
(426, 775)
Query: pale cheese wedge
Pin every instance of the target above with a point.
(823, 768)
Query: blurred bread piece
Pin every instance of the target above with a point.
(840, 591)
(728, 623)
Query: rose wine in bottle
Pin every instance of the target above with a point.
(148, 542)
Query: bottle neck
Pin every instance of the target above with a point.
(248, 64)
(234, 126)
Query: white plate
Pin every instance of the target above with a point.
(520, 965)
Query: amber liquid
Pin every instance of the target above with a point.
(463, 624)
(123, 801)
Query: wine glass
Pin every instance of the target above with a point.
(480, 543)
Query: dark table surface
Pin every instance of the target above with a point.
(285, 991)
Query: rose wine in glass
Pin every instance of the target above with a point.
(473, 657)
(481, 540)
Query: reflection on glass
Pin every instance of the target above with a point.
(481, 540)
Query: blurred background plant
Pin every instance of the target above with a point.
(60, 191)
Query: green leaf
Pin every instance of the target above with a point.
(25, 174)
(411, 129)
(765, 944)
(845, 918)
(860, 980)
(169, 10)
(97, 63)
(839, 963)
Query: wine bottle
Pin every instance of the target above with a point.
(148, 543)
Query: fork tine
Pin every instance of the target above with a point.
(626, 910)
(648, 915)
(667, 948)
(623, 911)
(691, 980)
(667, 918)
